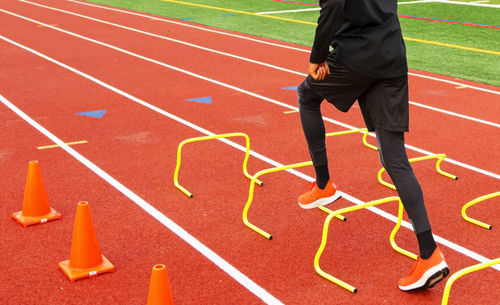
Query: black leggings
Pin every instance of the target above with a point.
(392, 154)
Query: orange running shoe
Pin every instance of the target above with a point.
(312, 196)
(425, 273)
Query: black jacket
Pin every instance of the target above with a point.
(365, 35)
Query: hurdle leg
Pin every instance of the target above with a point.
(463, 272)
(205, 138)
(324, 238)
(471, 203)
(395, 230)
(251, 191)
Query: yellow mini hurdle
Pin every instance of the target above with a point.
(440, 158)
(477, 267)
(292, 166)
(205, 138)
(460, 273)
(326, 226)
(251, 191)
(247, 152)
(477, 200)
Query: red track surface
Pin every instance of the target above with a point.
(137, 146)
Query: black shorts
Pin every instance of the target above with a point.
(383, 102)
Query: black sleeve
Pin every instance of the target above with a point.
(329, 22)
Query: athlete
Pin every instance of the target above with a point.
(367, 63)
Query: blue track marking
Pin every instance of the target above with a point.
(95, 114)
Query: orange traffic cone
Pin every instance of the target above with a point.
(36, 207)
(85, 259)
(159, 287)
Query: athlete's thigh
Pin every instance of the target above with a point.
(342, 87)
(385, 105)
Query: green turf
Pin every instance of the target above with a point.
(438, 59)
(455, 62)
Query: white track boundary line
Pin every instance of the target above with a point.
(468, 3)
(258, 96)
(289, 11)
(415, 2)
(346, 196)
(148, 208)
(266, 42)
(242, 58)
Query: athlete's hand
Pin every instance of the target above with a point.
(319, 71)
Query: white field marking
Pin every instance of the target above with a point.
(468, 3)
(247, 59)
(289, 11)
(274, 163)
(267, 42)
(162, 218)
(414, 2)
(41, 26)
(258, 96)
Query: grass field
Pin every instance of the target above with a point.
(459, 50)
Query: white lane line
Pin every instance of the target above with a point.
(458, 115)
(418, 1)
(454, 83)
(167, 222)
(265, 42)
(458, 163)
(258, 96)
(289, 11)
(166, 38)
(346, 196)
(246, 59)
(192, 26)
(468, 3)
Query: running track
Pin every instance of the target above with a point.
(143, 81)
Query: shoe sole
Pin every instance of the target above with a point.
(321, 201)
(436, 277)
